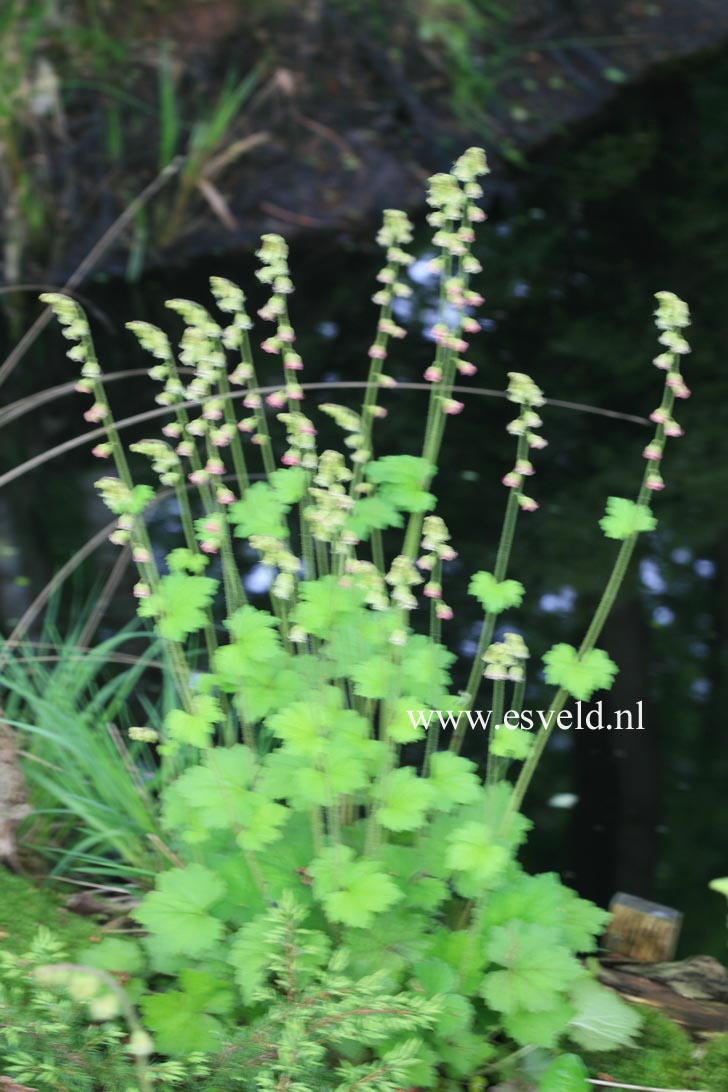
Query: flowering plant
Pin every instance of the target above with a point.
(299, 773)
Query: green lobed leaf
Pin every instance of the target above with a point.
(114, 954)
(372, 513)
(325, 602)
(625, 518)
(179, 604)
(602, 1020)
(196, 727)
(289, 484)
(539, 1029)
(472, 850)
(182, 1020)
(183, 560)
(404, 799)
(260, 511)
(378, 677)
(403, 481)
(425, 668)
(512, 743)
(177, 911)
(538, 968)
(352, 891)
(495, 596)
(580, 677)
(454, 780)
(216, 790)
(567, 1073)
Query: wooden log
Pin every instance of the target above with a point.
(692, 992)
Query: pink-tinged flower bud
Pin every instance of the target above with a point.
(209, 547)
(295, 394)
(96, 413)
(141, 590)
(101, 451)
(476, 215)
(307, 429)
(536, 442)
(141, 555)
(528, 504)
(119, 538)
(84, 386)
(659, 416)
(512, 480)
(452, 407)
(443, 612)
(654, 481)
(266, 314)
(215, 466)
(252, 401)
(260, 439)
(293, 362)
(185, 449)
(247, 424)
(277, 399)
(676, 383)
(432, 590)
(471, 325)
(653, 452)
(271, 345)
(387, 381)
(663, 361)
(426, 562)
(224, 496)
(197, 477)
(466, 368)
(439, 332)
(446, 553)
(211, 413)
(474, 299)
(377, 352)
(290, 458)
(673, 429)
(433, 374)
(241, 374)
(286, 335)
(172, 430)
(379, 411)
(524, 466)
(458, 344)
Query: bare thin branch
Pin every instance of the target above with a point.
(150, 415)
(97, 251)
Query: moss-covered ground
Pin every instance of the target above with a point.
(24, 906)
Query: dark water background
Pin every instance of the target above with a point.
(573, 251)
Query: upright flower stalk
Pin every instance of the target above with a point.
(625, 520)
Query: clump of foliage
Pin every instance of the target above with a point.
(306, 780)
(46, 1041)
(92, 789)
